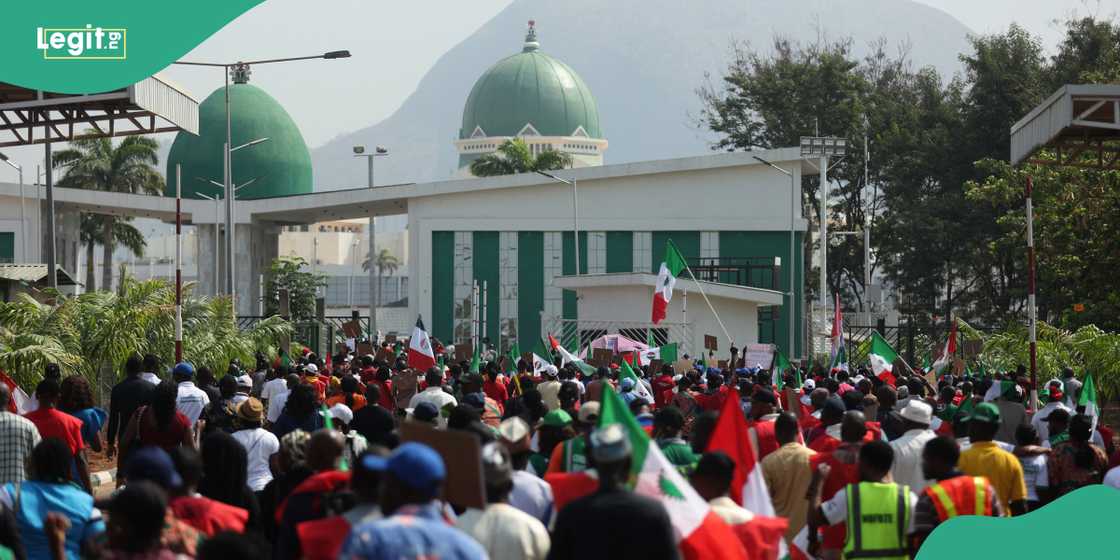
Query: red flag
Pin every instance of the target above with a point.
(731, 437)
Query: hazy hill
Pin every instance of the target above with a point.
(642, 59)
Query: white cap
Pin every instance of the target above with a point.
(311, 368)
(342, 413)
(917, 411)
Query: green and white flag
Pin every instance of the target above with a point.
(542, 357)
(882, 356)
(781, 364)
(567, 357)
(625, 371)
(1088, 399)
(513, 357)
(667, 354)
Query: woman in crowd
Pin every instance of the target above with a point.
(77, 401)
(225, 468)
(159, 424)
(300, 412)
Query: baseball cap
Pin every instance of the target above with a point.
(557, 419)
(183, 369)
(152, 464)
(425, 412)
(414, 464)
(918, 411)
(1055, 392)
(476, 400)
(610, 443)
(589, 412)
(627, 383)
(985, 412)
(834, 405)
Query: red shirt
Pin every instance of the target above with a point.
(841, 475)
(663, 390)
(767, 440)
(496, 390)
(209, 516)
(386, 397)
(167, 438)
(54, 423)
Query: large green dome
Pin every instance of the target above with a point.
(530, 87)
(281, 166)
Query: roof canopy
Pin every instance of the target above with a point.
(33, 274)
(29, 116)
(1078, 126)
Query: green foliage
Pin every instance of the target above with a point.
(290, 273)
(514, 156)
(97, 331)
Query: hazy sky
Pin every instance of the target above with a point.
(395, 43)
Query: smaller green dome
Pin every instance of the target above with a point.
(281, 165)
(530, 87)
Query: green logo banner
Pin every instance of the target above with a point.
(83, 46)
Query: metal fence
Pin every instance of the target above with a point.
(575, 333)
(319, 336)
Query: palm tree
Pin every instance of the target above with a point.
(94, 163)
(93, 233)
(514, 156)
(385, 262)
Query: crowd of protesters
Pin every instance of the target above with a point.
(304, 458)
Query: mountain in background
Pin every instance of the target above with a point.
(642, 59)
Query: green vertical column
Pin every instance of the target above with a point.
(530, 287)
(688, 242)
(571, 303)
(443, 288)
(620, 251)
(486, 269)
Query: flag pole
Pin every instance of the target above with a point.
(708, 301)
(178, 266)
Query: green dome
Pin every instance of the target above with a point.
(530, 87)
(282, 165)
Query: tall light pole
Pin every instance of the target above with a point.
(792, 263)
(374, 277)
(22, 219)
(823, 147)
(240, 71)
(575, 209)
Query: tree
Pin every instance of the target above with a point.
(386, 262)
(514, 156)
(290, 273)
(129, 167)
(92, 233)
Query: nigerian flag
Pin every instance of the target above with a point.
(882, 356)
(542, 357)
(781, 364)
(1088, 399)
(667, 354)
(514, 356)
(567, 357)
(624, 371)
(698, 532)
(475, 362)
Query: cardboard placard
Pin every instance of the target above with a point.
(464, 351)
(390, 338)
(655, 366)
(364, 348)
(682, 366)
(711, 343)
(758, 354)
(386, 355)
(793, 400)
(464, 486)
(722, 364)
(958, 366)
(352, 329)
(601, 357)
(341, 348)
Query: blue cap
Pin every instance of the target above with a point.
(627, 383)
(183, 369)
(425, 411)
(414, 464)
(476, 400)
(152, 464)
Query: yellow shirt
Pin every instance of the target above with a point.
(1001, 468)
(787, 475)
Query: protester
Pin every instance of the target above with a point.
(571, 454)
(501, 529)
(160, 424)
(127, 396)
(136, 524)
(225, 466)
(984, 458)
(529, 494)
(153, 465)
(550, 388)
(190, 400)
(322, 539)
(18, 436)
(843, 462)
(1033, 458)
(76, 399)
(433, 393)
(280, 399)
(712, 480)
(1076, 462)
(613, 506)
(667, 426)
(300, 412)
(50, 487)
(952, 493)
(375, 423)
(349, 395)
(260, 444)
(314, 497)
(1054, 402)
(289, 470)
(54, 424)
(870, 508)
(208, 383)
(413, 479)
(208, 516)
(555, 428)
(787, 473)
(149, 368)
(1012, 413)
(907, 466)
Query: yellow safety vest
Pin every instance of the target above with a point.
(878, 517)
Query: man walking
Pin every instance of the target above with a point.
(953, 493)
(787, 474)
(191, 400)
(18, 436)
(985, 458)
(127, 396)
(907, 467)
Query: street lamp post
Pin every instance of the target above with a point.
(792, 263)
(22, 218)
(374, 291)
(823, 147)
(242, 71)
(575, 209)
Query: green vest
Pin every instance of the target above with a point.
(878, 519)
(575, 455)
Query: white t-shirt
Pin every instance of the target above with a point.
(150, 377)
(274, 387)
(836, 508)
(191, 401)
(506, 532)
(1112, 478)
(1035, 474)
(276, 406)
(260, 445)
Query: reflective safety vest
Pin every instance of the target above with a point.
(961, 495)
(575, 454)
(878, 519)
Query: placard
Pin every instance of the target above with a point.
(386, 355)
(601, 357)
(352, 329)
(793, 401)
(464, 351)
(711, 343)
(364, 348)
(464, 485)
(722, 364)
(758, 354)
(391, 338)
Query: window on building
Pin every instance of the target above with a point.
(709, 244)
(596, 252)
(553, 267)
(507, 262)
(464, 284)
(7, 247)
(642, 257)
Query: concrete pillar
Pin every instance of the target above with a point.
(67, 239)
(258, 244)
(205, 262)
